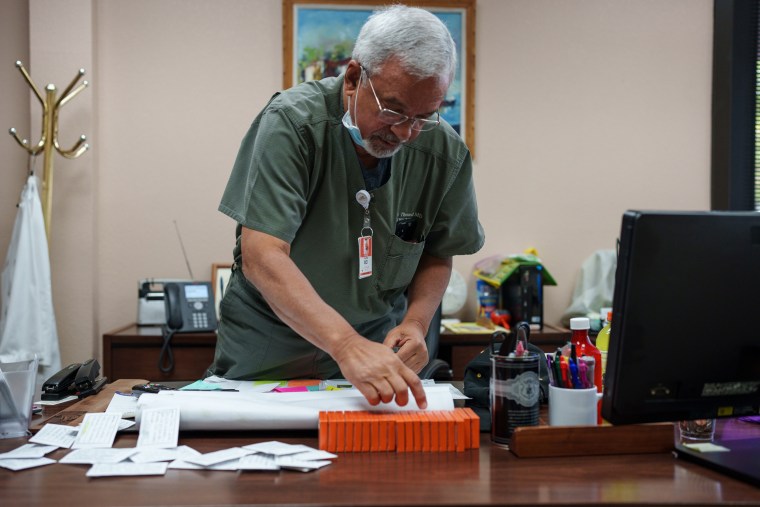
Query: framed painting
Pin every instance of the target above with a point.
(318, 38)
(220, 277)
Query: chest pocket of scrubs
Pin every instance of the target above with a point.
(400, 263)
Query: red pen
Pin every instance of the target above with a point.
(564, 370)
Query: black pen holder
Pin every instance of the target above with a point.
(515, 394)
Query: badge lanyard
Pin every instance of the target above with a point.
(365, 236)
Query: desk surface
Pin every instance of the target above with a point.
(486, 476)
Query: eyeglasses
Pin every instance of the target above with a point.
(390, 117)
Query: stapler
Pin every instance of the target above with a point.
(87, 375)
(57, 386)
(77, 379)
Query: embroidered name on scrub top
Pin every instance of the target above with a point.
(365, 236)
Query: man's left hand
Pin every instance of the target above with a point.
(409, 338)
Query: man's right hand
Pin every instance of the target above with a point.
(376, 371)
(371, 367)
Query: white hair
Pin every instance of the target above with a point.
(416, 37)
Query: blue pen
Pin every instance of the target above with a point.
(574, 375)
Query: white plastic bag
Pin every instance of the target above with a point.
(594, 287)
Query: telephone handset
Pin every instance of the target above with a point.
(189, 307)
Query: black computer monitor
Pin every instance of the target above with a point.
(685, 337)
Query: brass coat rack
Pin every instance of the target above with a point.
(49, 137)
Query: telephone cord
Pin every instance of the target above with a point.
(166, 356)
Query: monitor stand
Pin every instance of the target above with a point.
(742, 437)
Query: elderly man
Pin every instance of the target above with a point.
(351, 197)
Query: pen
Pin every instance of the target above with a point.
(583, 373)
(574, 375)
(550, 370)
(590, 362)
(563, 369)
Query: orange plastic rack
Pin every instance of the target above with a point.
(455, 430)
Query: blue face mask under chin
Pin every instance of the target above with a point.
(353, 130)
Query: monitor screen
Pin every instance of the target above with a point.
(685, 337)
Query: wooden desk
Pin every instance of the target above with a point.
(486, 476)
(459, 349)
(132, 352)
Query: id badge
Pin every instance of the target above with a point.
(365, 256)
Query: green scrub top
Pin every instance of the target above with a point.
(296, 177)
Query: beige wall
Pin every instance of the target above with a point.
(14, 112)
(584, 108)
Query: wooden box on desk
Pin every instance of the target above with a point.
(133, 351)
(552, 441)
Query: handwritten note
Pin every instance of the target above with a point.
(58, 435)
(159, 427)
(97, 430)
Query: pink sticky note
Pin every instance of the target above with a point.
(296, 389)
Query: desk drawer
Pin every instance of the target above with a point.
(133, 352)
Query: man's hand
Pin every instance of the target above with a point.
(378, 373)
(371, 367)
(409, 338)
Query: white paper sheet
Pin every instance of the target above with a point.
(154, 455)
(28, 451)
(126, 468)
(180, 464)
(93, 456)
(159, 428)
(58, 435)
(24, 463)
(257, 462)
(98, 429)
(274, 411)
(216, 457)
(278, 448)
(300, 465)
(123, 404)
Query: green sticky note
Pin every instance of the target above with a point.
(200, 385)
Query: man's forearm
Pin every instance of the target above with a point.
(267, 264)
(371, 367)
(427, 289)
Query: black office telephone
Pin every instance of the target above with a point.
(189, 307)
(76, 379)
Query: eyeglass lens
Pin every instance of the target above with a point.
(390, 117)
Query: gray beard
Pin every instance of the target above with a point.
(379, 152)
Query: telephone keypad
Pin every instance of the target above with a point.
(200, 320)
